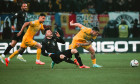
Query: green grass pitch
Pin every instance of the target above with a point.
(116, 70)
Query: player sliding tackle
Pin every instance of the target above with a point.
(84, 38)
(49, 44)
(34, 26)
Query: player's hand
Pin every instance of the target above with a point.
(18, 34)
(50, 54)
(57, 34)
(71, 23)
(13, 28)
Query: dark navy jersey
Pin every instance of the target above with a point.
(20, 16)
(50, 45)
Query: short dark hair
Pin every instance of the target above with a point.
(96, 29)
(42, 14)
(23, 3)
(46, 29)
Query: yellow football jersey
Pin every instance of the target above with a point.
(33, 28)
(84, 35)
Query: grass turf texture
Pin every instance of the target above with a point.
(116, 70)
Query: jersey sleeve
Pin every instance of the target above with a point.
(13, 18)
(87, 30)
(60, 40)
(32, 23)
(42, 27)
(43, 49)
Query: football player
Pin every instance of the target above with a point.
(84, 38)
(49, 44)
(20, 16)
(34, 26)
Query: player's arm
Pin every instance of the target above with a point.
(59, 39)
(23, 27)
(42, 30)
(43, 49)
(12, 21)
(85, 44)
(75, 24)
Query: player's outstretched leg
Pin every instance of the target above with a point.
(2, 58)
(19, 57)
(78, 58)
(93, 58)
(52, 64)
(6, 61)
(76, 62)
(38, 57)
(84, 66)
(96, 65)
(11, 56)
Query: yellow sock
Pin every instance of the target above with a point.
(94, 61)
(38, 54)
(15, 53)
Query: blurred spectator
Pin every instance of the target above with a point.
(130, 5)
(110, 30)
(91, 8)
(136, 29)
(6, 31)
(84, 10)
(124, 31)
(34, 6)
(2, 6)
(78, 5)
(66, 5)
(121, 5)
(109, 5)
(58, 6)
(100, 6)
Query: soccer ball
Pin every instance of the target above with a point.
(134, 63)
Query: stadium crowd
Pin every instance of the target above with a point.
(83, 6)
(76, 6)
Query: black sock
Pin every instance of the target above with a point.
(8, 49)
(21, 51)
(78, 59)
(68, 60)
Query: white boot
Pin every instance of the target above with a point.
(2, 58)
(19, 57)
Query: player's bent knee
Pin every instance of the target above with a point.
(92, 52)
(62, 56)
(38, 46)
(73, 51)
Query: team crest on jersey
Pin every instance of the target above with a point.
(48, 42)
(16, 14)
